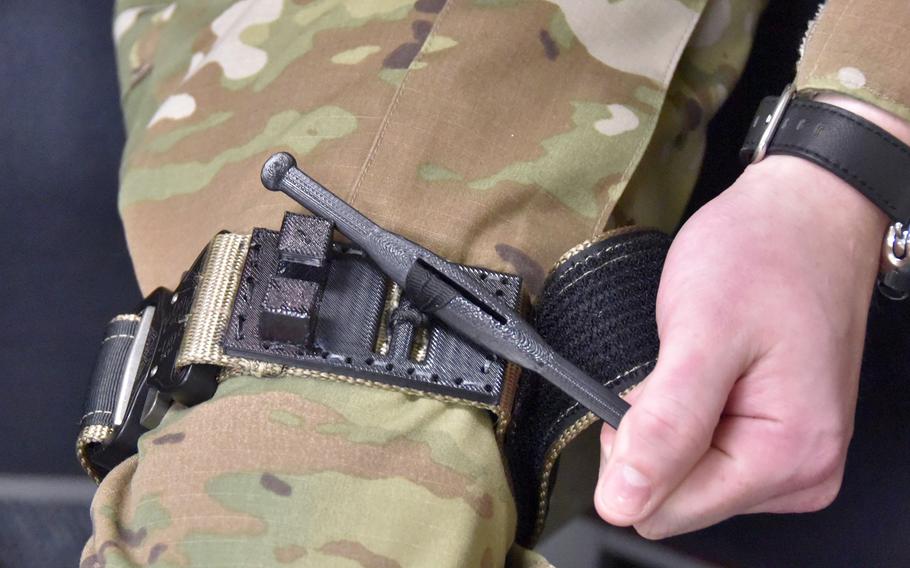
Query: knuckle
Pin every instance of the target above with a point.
(823, 496)
(820, 457)
(806, 456)
(668, 422)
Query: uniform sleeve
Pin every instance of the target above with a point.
(860, 49)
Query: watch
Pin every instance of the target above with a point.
(867, 157)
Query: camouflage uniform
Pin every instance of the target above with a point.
(494, 132)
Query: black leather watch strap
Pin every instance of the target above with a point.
(859, 152)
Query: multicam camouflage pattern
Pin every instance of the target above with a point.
(308, 473)
(511, 129)
(495, 132)
(859, 48)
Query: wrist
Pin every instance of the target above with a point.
(817, 194)
(835, 198)
(841, 173)
(812, 221)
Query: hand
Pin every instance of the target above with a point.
(761, 314)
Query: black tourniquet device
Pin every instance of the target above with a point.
(442, 289)
(379, 311)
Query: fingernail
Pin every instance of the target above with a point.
(626, 491)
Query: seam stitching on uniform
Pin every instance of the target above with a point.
(821, 51)
(881, 94)
(645, 140)
(377, 142)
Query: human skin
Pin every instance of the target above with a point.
(761, 314)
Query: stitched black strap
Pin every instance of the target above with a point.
(854, 149)
(109, 369)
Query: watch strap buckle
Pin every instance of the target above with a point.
(770, 112)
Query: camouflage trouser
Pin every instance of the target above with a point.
(496, 132)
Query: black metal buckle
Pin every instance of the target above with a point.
(145, 396)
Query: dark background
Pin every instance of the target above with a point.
(65, 272)
(64, 265)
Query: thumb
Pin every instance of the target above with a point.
(671, 423)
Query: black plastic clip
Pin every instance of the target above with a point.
(151, 382)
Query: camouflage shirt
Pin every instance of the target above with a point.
(494, 132)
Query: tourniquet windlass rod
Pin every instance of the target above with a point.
(444, 290)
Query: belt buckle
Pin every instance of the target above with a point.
(150, 382)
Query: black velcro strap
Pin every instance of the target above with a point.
(597, 310)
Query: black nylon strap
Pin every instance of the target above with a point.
(859, 152)
(105, 382)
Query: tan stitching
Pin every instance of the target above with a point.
(559, 445)
(621, 376)
(591, 242)
(119, 335)
(87, 414)
(94, 434)
(302, 372)
(393, 296)
(211, 311)
(420, 345)
(550, 461)
(824, 11)
(507, 400)
(212, 304)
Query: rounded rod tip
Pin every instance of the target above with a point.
(275, 168)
